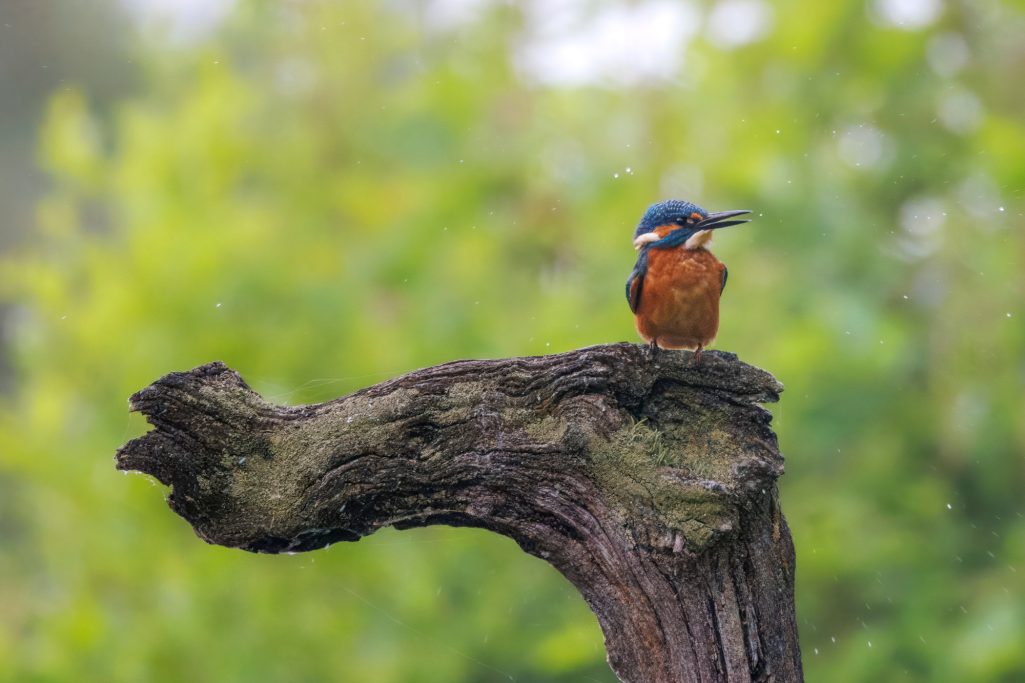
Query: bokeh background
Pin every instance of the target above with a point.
(327, 194)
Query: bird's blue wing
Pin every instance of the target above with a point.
(635, 283)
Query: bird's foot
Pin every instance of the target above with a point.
(653, 349)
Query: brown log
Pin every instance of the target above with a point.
(650, 483)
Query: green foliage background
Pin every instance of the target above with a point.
(325, 195)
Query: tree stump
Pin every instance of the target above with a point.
(649, 482)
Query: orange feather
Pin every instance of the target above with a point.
(679, 306)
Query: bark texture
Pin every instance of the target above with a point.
(649, 483)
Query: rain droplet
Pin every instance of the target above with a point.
(1000, 208)
(615, 175)
(949, 506)
(217, 305)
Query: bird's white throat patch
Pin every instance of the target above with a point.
(698, 239)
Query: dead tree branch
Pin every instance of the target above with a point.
(650, 484)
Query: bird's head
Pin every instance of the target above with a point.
(683, 220)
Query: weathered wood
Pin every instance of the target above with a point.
(649, 483)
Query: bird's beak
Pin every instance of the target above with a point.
(718, 220)
(646, 238)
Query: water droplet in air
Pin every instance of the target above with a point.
(615, 175)
(949, 506)
(1000, 208)
(217, 305)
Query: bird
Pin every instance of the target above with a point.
(675, 285)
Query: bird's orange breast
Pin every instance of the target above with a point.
(679, 306)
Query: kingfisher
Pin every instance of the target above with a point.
(675, 286)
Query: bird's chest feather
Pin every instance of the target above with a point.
(682, 275)
(680, 303)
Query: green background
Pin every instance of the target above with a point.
(327, 194)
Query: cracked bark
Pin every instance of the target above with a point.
(650, 484)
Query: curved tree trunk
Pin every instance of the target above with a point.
(650, 483)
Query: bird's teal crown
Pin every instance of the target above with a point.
(667, 213)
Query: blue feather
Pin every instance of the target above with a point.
(666, 213)
(640, 270)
